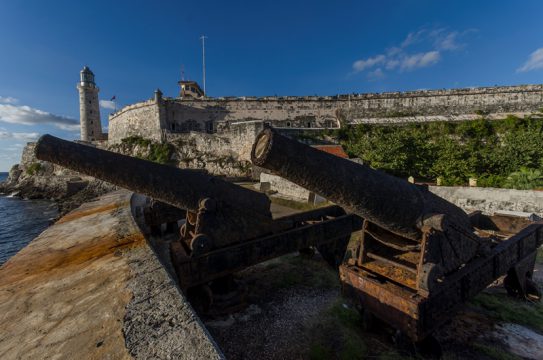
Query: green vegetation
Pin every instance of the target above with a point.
(499, 153)
(136, 141)
(525, 179)
(293, 271)
(33, 168)
(157, 152)
(506, 309)
(338, 335)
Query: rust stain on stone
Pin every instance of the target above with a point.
(64, 295)
(74, 215)
(49, 259)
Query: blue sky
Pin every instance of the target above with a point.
(253, 48)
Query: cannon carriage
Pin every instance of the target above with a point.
(227, 227)
(418, 257)
(417, 260)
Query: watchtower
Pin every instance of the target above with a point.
(89, 109)
(190, 89)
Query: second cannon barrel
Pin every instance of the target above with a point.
(390, 202)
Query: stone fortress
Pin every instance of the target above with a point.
(161, 118)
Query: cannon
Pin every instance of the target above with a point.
(227, 227)
(418, 256)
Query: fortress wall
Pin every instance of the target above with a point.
(297, 113)
(496, 100)
(489, 200)
(421, 119)
(414, 106)
(142, 119)
(148, 118)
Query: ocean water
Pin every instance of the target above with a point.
(21, 221)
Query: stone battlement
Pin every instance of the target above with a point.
(381, 95)
(132, 107)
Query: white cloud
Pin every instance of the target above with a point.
(429, 46)
(26, 115)
(8, 100)
(392, 64)
(19, 135)
(420, 60)
(376, 74)
(361, 65)
(413, 38)
(107, 104)
(448, 41)
(534, 62)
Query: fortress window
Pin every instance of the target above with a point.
(209, 126)
(90, 102)
(288, 123)
(308, 124)
(173, 126)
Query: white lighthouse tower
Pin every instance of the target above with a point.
(89, 108)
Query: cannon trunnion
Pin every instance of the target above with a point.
(417, 257)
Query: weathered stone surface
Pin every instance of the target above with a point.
(90, 287)
(489, 200)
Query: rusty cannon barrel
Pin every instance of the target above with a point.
(183, 188)
(390, 202)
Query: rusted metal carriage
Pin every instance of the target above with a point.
(419, 257)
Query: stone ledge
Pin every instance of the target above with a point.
(91, 287)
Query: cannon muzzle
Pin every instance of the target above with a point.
(393, 203)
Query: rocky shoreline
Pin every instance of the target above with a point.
(42, 181)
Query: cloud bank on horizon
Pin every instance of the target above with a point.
(420, 49)
(12, 113)
(17, 117)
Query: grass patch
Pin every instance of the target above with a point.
(337, 335)
(33, 168)
(157, 152)
(506, 309)
(160, 153)
(136, 140)
(299, 270)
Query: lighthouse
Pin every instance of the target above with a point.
(89, 108)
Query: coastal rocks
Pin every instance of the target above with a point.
(218, 155)
(67, 190)
(35, 179)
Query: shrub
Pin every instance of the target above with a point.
(157, 152)
(488, 150)
(525, 179)
(33, 168)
